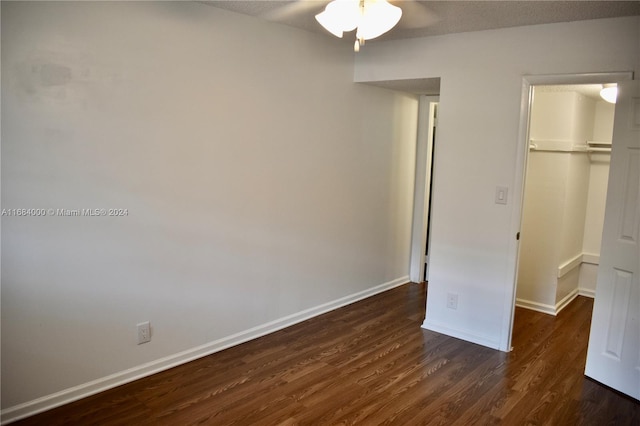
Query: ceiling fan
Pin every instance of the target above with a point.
(370, 18)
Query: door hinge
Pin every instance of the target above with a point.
(518, 236)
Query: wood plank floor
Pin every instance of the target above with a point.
(371, 363)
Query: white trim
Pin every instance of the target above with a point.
(84, 390)
(522, 149)
(587, 292)
(585, 78)
(591, 258)
(442, 328)
(535, 306)
(548, 309)
(566, 300)
(520, 168)
(433, 124)
(424, 152)
(419, 226)
(569, 265)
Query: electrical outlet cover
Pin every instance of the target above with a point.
(144, 332)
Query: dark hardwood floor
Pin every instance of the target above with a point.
(371, 363)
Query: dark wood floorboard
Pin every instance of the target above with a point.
(372, 363)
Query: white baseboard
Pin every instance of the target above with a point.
(535, 306)
(441, 328)
(587, 292)
(84, 390)
(548, 309)
(566, 300)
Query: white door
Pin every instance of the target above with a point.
(613, 357)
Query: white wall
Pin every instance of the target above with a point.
(575, 209)
(594, 221)
(260, 183)
(542, 227)
(555, 199)
(561, 116)
(603, 124)
(473, 242)
(598, 179)
(564, 202)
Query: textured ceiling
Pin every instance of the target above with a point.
(427, 18)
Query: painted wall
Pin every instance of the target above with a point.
(542, 227)
(575, 210)
(598, 179)
(560, 193)
(473, 240)
(555, 197)
(261, 184)
(561, 117)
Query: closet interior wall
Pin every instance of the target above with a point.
(564, 201)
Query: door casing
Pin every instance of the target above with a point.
(528, 82)
(424, 173)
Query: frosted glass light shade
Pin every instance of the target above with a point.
(340, 16)
(609, 93)
(378, 18)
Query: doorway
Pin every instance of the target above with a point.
(612, 355)
(420, 239)
(528, 82)
(567, 170)
(431, 142)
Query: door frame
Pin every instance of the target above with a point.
(528, 81)
(423, 175)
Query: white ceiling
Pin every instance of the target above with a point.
(427, 18)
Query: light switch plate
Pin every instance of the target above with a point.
(502, 193)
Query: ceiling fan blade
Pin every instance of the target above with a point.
(293, 9)
(415, 14)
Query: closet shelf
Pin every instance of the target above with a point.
(557, 145)
(598, 146)
(550, 145)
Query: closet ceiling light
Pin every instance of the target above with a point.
(609, 93)
(371, 18)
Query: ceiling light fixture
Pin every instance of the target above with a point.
(372, 18)
(609, 92)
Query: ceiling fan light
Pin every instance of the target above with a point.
(326, 20)
(609, 93)
(339, 16)
(378, 18)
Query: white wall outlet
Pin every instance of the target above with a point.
(452, 301)
(144, 332)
